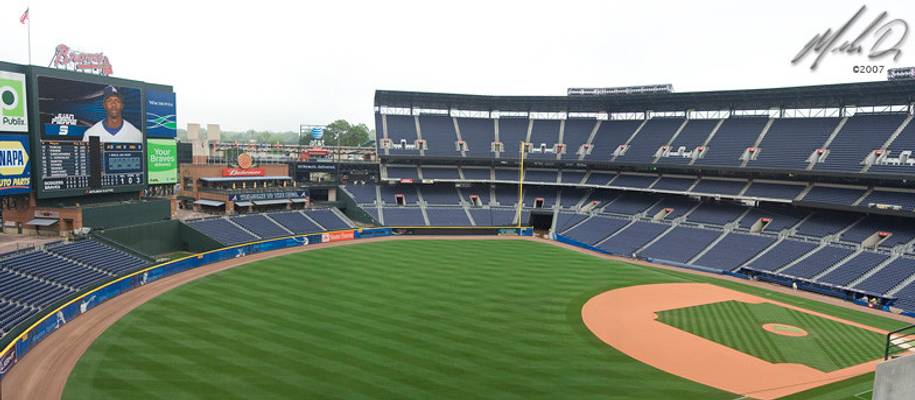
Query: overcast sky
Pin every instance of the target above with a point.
(276, 64)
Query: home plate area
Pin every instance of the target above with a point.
(731, 340)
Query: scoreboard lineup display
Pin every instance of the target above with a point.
(91, 135)
(67, 166)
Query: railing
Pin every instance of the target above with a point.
(898, 341)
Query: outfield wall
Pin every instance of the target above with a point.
(18, 347)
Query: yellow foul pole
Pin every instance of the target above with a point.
(521, 185)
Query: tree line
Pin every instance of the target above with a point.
(340, 132)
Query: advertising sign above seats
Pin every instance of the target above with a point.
(15, 171)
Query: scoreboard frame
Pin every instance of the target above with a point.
(35, 129)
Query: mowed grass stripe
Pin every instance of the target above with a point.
(829, 345)
(398, 319)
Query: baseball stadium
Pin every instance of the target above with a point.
(622, 243)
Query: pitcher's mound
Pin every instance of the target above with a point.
(785, 330)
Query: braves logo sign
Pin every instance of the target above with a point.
(7, 361)
(71, 60)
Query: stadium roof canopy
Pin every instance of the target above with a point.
(865, 94)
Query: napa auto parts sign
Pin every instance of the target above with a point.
(15, 177)
(72, 60)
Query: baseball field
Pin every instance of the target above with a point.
(471, 319)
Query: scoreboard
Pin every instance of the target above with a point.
(64, 166)
(68, 166)
(91, 132)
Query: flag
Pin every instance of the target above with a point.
(24, 17)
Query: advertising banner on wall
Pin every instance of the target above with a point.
(162, 161)
(13, 112)
(15, 175)
(161, 115)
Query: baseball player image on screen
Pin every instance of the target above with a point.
(114, 128)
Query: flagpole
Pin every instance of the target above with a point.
(30, 39)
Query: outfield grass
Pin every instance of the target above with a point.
(396, 319)
(828, 346)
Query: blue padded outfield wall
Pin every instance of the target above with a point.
(60, 316)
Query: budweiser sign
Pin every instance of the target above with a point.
(72, 60)
(242, 172)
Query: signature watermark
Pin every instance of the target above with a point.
(884, 37)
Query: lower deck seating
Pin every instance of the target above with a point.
(447, 217)
(595, 229)
(681, 244)
(627, 241)
(734, 250)
(222, 231)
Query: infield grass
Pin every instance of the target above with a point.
(396, 319)
(828, 345)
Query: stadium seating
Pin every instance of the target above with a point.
(261, 226)
(609, 136)
(824, 223)
(572, 176)
(734, 136)
(905, 200)
(655, 133)
(889, 276)
(630, 203)
(600, 178)
(99, 255)
(222, 231)
(477, 174)
(544, 135)
(681, 244)
(442, 194)
(327, 219)
(447, 216)
(676, 184)
(478, 134)
(570, 197)
(834, 195)
(576, 133)
(904, 142)
(692, 136)
(859, 135)
(782, 254)
(595, 229)
(734, 250)
(438, 131)
(540, 175)
(403, 216)
(716, 213)
(626, 241)
(297, 222)
(789, 142)
(718, 186)
(512, 131)
(817, 262)
(633, 181)
(402, 172)
(362, 194)
(402, 132)
(854, 268)
(440, 173)
(774, 190)
(564, 221)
